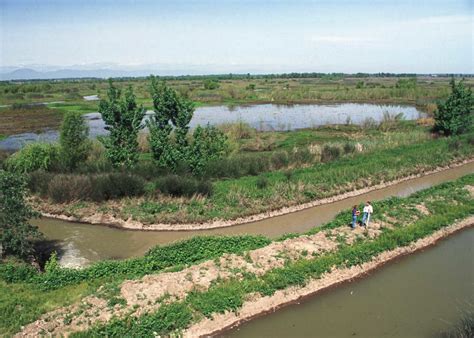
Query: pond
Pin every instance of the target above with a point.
(265, 117)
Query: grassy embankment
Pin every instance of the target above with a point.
(389, 156)
(26, 294)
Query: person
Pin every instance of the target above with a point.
(368, 210)
(355, 213)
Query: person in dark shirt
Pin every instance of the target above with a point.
(355, 213)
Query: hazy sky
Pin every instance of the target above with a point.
(262, 36)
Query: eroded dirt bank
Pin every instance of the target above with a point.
(259, 305)
(110, 220)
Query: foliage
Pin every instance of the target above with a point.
(16, 233)
(73, 140)
(123, 118)
(330, 153)
(211, 84)
(70, 187)
(209, 144)
(172, 112)
(176, 185)
(455, 115)
(34, 156)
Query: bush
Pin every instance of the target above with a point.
(262, 182)
(302, 155)
(38, 182)
(237, 166)
(34, 156)
(175, 185)
(330, 153)
(74, 141)
(349, 148)
(211, 84)
(103, 187)
(455, 116)
(279, 159)
(17, 235)
(67, 188)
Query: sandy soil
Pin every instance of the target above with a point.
(110, 220)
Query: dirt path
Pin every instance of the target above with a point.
(53, 211)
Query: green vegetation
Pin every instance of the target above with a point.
(73, 140)
(32, 157)
(446, 203)
(455, 116)
(16, 233)
(123, 118)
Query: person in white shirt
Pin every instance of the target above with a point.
(367, 212)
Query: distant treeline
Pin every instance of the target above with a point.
(249, 76)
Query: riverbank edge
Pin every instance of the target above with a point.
(293, 295)
(111, 221)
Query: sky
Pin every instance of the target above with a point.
(422, 36)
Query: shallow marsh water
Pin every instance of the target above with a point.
(262, 117)
(81, 244)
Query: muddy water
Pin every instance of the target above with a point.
(261, 117)
(82, 243)
(417, 296)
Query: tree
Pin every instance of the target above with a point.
(123, 118)
(172, 112)
(455, 115)
(74, 141)
(208, 144)
(16, 233)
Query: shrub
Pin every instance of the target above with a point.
(349, 148)
(73, 140)
(262, 182)
(330, 153)
(67, 188)
(175, 185)
(455, 116)
(302, 155)
(211, 84)
(34, 156)
(38, 182)
(279, 159)
(102, 187)
(237, 166)
(16, 233)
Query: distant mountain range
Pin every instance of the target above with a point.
(104, 70)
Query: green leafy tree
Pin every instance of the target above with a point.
(172, 112)
(455, 115)
(16, 233)
(123, 118)
(74, 141)
(209, 143)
